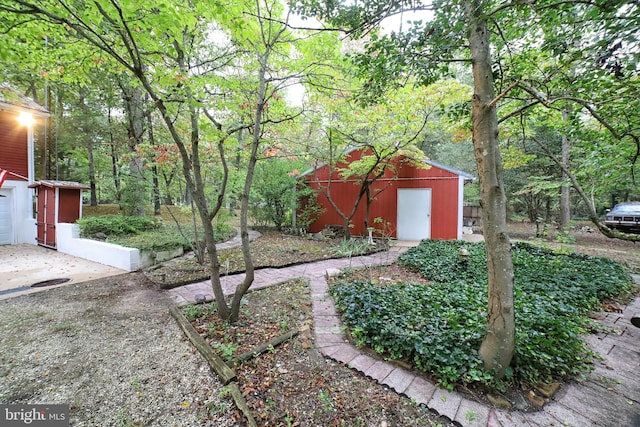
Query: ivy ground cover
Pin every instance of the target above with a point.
(439, 326)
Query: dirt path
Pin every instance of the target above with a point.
(52, 351)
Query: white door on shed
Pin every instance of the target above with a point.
(414, 214)
(6, 219)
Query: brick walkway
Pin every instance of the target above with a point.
(610, 396)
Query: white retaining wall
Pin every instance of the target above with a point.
(69, 242)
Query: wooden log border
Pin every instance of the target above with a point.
(225, 373)
(215, 362)
(264, 347)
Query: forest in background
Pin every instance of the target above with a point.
(105, 132)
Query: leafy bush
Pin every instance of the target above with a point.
(274, 192)
(440, 326)
(116, 225)
(146, 233)
(169, 237)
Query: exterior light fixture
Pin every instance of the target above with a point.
(26, 119)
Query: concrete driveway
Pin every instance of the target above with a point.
(21, 266)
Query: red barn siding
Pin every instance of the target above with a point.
(68, 205)
(444, 202)
(14, 155)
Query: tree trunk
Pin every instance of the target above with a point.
(114, 158)
(244, 200)
(565, 209)
(196, 190)
(135, 183)
(497, 347)
(92, 174)
(154, 169)
(589, 202)
(86, 118)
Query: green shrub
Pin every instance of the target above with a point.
(439, 327)
(274, 193)
(169, 237)
(147, 233)
(351, 247)
(116, 225)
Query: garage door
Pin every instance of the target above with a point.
(414, 214)
(6, 220)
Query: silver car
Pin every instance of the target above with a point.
(624, 217)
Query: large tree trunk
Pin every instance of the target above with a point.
(565, 209)
(136, 192)
(498, 345)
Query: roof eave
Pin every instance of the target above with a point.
(19, 108)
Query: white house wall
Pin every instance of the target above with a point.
(24, 224)
(21, 205)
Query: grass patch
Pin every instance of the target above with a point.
(439, 327)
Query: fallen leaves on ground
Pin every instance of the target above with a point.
(293, 384)
(271, 249)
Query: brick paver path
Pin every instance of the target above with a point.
(610, 396)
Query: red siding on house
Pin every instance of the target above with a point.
(444, 203)
(13, 146)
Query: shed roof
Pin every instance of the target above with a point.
(467, 176)
(463, 174)
(11, 99)
(60, 184)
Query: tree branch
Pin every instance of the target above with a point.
(593, 215)
(502, 95)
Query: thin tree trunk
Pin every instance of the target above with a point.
(92, 173)
(244, 200)
(589, 202)
(195, 189)
(168, 179)
(114, 157)
(86, 118)
(154, 169)
(498, 345)
(565, 209)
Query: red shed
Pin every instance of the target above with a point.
(58, 202)
(413, 202)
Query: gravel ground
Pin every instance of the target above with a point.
(52, 351)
